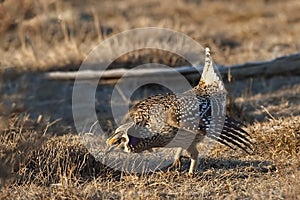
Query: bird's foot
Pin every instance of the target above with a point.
(176, 165)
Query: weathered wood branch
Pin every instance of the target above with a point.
(282, 65)
(279, 66)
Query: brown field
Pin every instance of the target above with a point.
(41, 157)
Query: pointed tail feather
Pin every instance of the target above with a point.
(209, 76)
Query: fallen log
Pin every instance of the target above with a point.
(285, 65)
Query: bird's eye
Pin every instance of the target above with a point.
(114, 141)
(123, 139)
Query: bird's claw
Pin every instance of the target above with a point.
(176, 165)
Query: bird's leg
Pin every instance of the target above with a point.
(177, 162)
(177, 156)
(192, 150)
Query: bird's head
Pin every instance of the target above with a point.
(121, 138)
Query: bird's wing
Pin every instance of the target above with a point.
(190, 113)
(149, 116)
(223, 129)
(148, 123)
(151, 110)
(233, 135)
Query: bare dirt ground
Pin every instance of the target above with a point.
(42, 157)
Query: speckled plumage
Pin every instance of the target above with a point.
(182, 120)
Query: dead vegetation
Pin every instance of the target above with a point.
(43, 34)
(60, 166)
(39, 160)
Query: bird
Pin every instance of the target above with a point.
(182, 121)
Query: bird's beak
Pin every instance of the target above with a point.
(109, 149)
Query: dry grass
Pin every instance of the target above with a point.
(61, 167)
(36, 163)
(42, 34)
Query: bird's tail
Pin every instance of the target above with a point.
(233, 135)
(209, 75)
